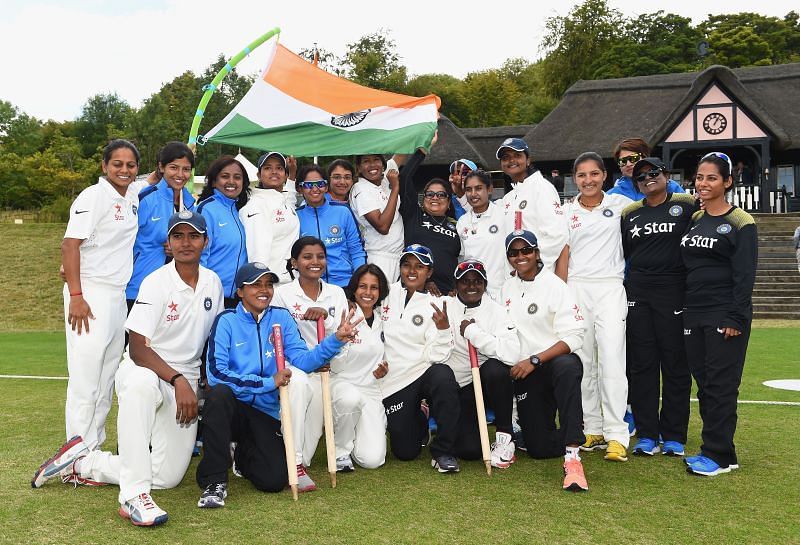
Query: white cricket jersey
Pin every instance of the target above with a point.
(493, 335)
(595, 239)
(411, 340)
(359, 358)
(271, 227)
(176, 318)
(483, 237)
(366, 197)
(544, 311)
(292, 297)
(107, 223)
(542, 214)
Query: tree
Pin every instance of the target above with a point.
(491, 99)
(574, 41)
(373, 62)
(101, 114)
(771, 40)
(446, 87)
(325, 60)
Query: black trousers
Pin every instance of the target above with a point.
(553, 387)
(716, 365)
(658, 363)
(407, 424)
(260, 454)
(230, 302)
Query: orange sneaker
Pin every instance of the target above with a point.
(574, 478)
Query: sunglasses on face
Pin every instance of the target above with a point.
(527, 250)
(435, 194)
(622, 161)
(320, 184)
(650, 174)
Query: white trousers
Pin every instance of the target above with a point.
(604, 389)
(388, 262)
(305, 400)
(92, 361)
(154, 450)
(359, 423)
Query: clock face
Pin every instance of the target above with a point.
(715, 123)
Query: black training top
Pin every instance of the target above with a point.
(437, 233)
(651, 238)
(721, 254)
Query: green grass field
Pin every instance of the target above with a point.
(642, 501)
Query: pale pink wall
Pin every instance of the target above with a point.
(714, 96)
(745, 128)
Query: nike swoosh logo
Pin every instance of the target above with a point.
(721, 330)
(634, 217)
(676, 312)
(142, 303)
(223, 224)
(693, 228)
(80, 212)
(154, 219)
(240, 344)
(251, 215)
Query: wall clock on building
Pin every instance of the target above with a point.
(715, 123)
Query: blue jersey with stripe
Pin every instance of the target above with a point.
(226, 251)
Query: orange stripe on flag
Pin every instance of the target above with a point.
(298, 78)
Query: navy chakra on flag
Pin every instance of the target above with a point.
(676, 210)
(207, 304)
(349, 120)
(608, 213)
(334, 230)
(724, 229)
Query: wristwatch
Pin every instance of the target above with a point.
(535, 361)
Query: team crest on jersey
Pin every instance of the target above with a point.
(532, 308)
(334, 230)
(608, 213)
(676, 210)
(207, 304)
(332, 311)
(383, 337)
(493, 229)
(417, 320)
(724, 229)
(523, 204)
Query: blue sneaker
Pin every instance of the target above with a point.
(707, 467)
(672, 448)
(628, 419)
(646, 447)
(692, 459)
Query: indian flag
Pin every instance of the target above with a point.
(299, 109)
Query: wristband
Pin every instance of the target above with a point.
(174, 378)
(77, 293)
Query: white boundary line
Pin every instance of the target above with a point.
(694, 400)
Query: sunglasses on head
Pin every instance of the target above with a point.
(651, 174)
(527, 250)
(622, 161)
(435, 194)
(719, 155)
(466, 266)
(314, 184)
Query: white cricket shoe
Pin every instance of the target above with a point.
(61, 460)
(143, 511)
(503, 450)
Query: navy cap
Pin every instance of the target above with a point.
(527, 236)
(249, 273)
(263, 158)
(466, 162)
(517, 144)
(188, 217)
(654, 162)
(423, 253)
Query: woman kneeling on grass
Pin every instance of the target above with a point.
(720, 251)
(550, 328)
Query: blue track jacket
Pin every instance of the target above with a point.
(625, 186)
(333, 223)
(226, 250)
(241, 354)
(156, 206)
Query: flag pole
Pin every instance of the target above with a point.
(214, 85)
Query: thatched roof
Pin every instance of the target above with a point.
(487, 139)
(452, 145)
(594, 115)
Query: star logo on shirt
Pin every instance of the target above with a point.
(508, 302)
(279, 212)
(268, 353)
(635, 231)
(385, 309)
(508, 205)
(574, 217)
(427, 224)
(684, 239)
(173, 306)
(297, 307)
(118, 207)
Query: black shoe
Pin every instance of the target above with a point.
(519, 441)
(445, 464)
(213, 496)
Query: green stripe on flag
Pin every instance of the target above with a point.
(310, 139)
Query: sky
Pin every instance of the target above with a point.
(55, 54)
